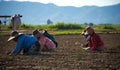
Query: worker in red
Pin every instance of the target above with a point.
(95, 42)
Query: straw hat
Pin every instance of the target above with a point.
(88, 27)
(13, 35)
(38, 32)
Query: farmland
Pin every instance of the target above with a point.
(68, 55)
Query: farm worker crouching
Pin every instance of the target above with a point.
(46, 43)
(50, 37)
(95, 42)
(25, 43)
(87, 38)
(86, 35)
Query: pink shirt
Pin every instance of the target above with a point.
(46, 42)
(95, 42)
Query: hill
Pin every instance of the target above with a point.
(38, 13)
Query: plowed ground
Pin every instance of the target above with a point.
(68, 55)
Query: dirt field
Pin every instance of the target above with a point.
(68, 55)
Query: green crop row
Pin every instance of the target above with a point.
(70, 28)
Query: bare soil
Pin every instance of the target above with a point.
(68, 55)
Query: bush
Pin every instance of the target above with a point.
(108, 27)
(62, 26)
(27, 26)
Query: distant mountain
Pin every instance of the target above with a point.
(38, 13)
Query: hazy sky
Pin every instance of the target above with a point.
(76, 3)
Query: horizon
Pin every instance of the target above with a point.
(74, 3)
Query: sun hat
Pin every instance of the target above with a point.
(13, 35)
(88, 27)
(40, 32)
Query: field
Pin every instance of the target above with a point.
(68, 55)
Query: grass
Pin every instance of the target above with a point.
(57, 26)
(107, 28)
(66, 32)
(61, 28)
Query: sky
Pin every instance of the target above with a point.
(75, 3)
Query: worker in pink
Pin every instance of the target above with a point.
(95, 42)
(46, 43)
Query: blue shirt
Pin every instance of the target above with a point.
(24, 42)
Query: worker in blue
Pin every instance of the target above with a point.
(28, 44)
